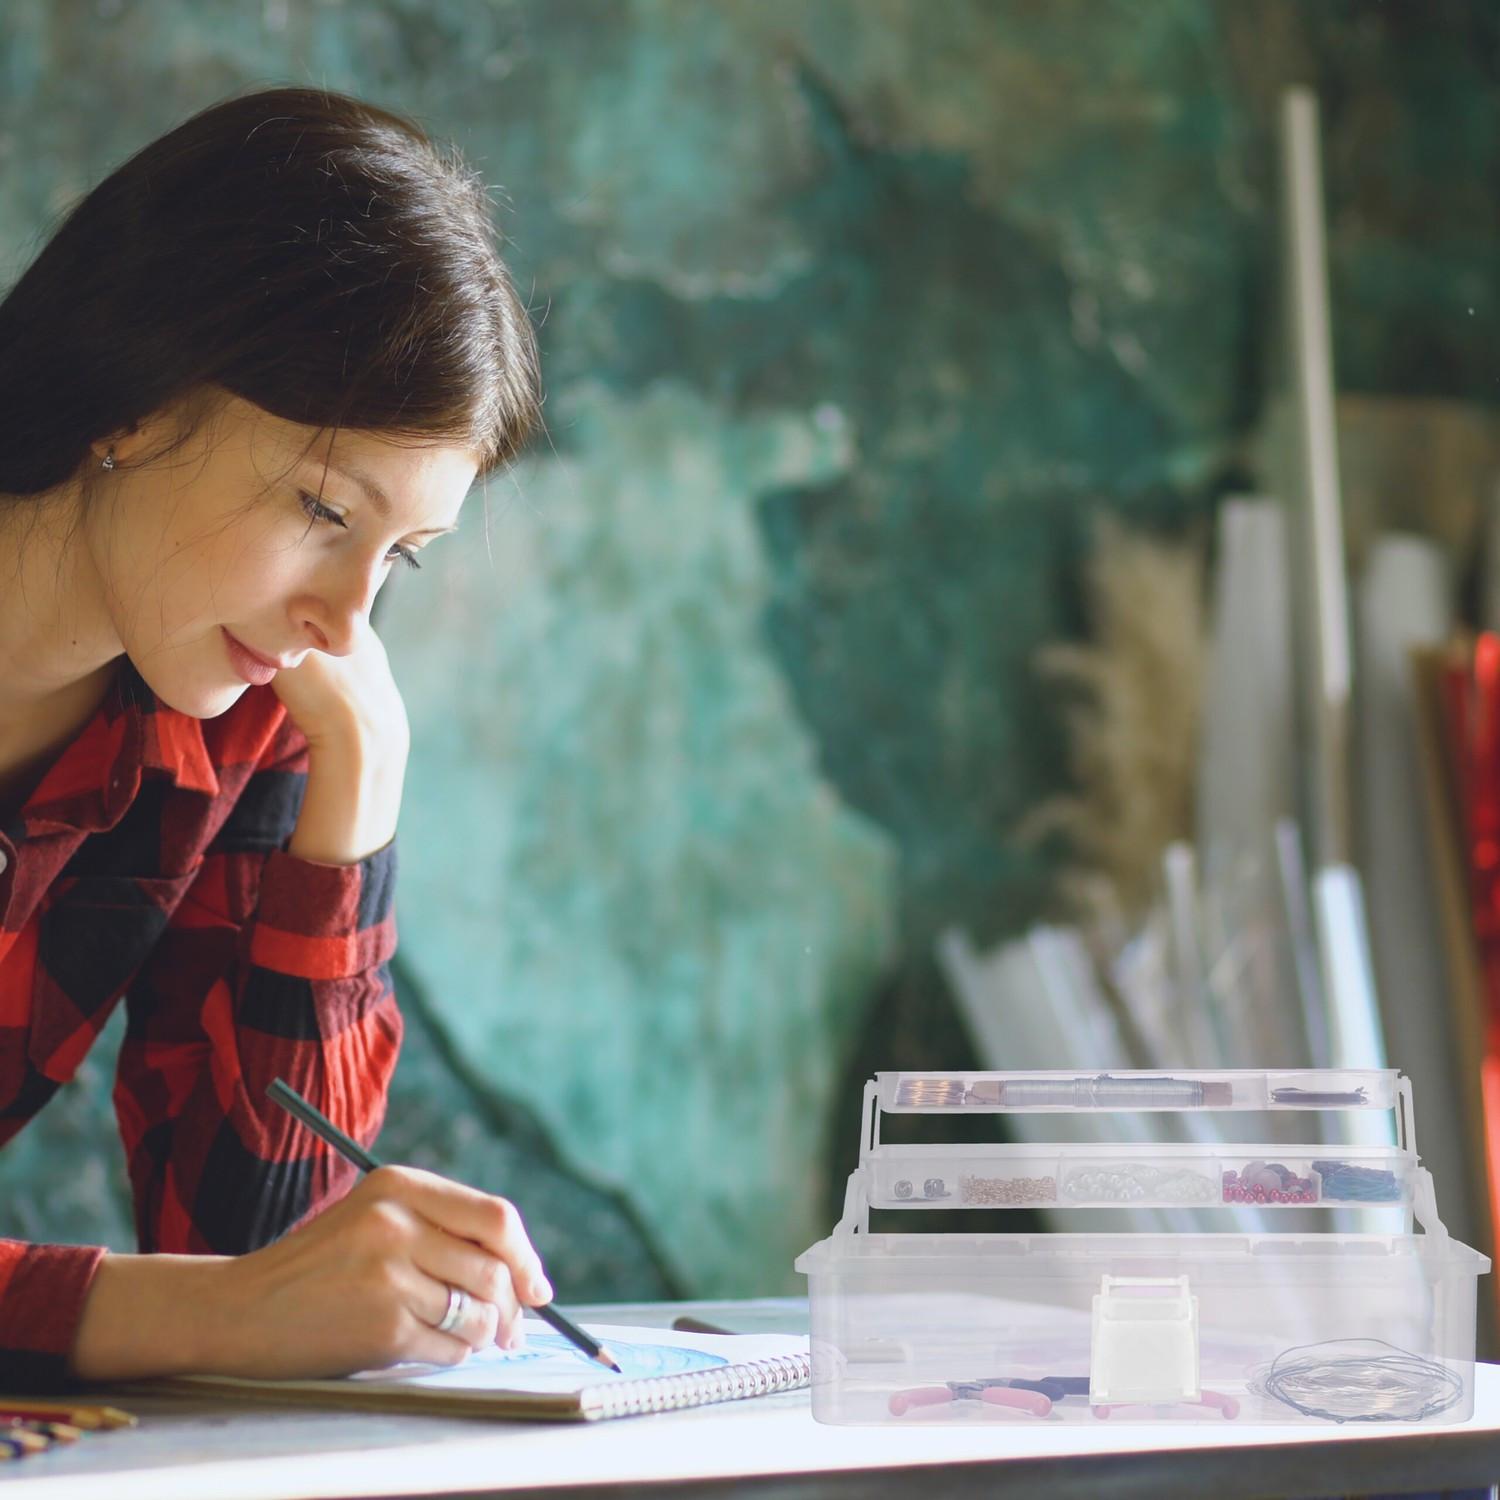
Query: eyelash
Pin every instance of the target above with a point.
(317, 511)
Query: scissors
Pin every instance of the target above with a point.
(1034, 1396)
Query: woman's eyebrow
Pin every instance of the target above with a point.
(378, 497)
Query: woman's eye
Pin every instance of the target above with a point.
(317, 511)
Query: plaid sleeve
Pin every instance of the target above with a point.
(42, 1290)
(272, 966)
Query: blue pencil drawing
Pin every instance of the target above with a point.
(550, 1363)
(635, 1360)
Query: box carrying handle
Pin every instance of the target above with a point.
(1424, 1210)
(856, 1216)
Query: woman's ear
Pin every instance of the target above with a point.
(121, 444)
(166, 428)
(148, 436)
(101, 447)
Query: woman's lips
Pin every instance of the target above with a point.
(254, 668)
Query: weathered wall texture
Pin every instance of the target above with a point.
(854, 313)
(646, 908)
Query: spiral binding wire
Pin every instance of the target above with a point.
(756, 1377)
(1394, 1387)
(929, 1093)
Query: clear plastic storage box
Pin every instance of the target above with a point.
(1264, 1327)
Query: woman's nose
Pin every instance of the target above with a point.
(337, 613)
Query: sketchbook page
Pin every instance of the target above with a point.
(550, 1365)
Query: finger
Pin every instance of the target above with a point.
(460, 1263)
(422, 1342)
(478, 1321)
(491, 1222)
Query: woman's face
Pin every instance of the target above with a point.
(222, 548)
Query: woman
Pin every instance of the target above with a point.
(258, 366)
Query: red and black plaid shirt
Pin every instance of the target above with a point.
(150, 862)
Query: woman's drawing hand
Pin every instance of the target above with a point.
(364, 1284)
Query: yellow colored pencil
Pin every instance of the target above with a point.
(18, 1443)
(59, 1432)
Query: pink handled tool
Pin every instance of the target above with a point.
(1033, 1401)
(937, 1395)
(923, 1395)
(1214, 1399)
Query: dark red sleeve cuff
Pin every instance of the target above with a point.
(42, 1292)
(319, 921)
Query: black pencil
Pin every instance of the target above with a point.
(351, 1150)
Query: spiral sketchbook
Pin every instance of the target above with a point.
(549, 1380)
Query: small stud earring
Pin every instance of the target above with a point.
(108, 461)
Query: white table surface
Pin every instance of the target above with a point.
(203, 1448)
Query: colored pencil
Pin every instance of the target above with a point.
(350, 1149)
(89, 1418)
(59, 1432)
(21, 1443)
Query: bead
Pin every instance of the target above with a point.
(934, 1187)
(1001, 1192)
(903, 1188)
(1135, 1182)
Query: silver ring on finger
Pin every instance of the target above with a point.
(458, 1310)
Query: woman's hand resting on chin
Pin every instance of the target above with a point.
(351, 712)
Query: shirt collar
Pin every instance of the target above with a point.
(170, 741)
(97, 777)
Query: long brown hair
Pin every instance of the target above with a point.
(313, 254)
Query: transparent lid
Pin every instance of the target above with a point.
(1189, 1089)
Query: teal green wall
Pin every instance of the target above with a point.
(853, 313)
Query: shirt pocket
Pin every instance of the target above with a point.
(93, 934)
